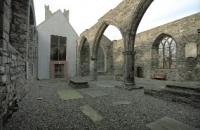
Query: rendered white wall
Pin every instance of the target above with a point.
(56, 25)
(43, 55)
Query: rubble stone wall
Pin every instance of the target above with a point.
(183, 31)
(15, 55)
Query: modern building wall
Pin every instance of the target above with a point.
(43, 55)
(57, 24)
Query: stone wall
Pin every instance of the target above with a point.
(183, 31)
(126, 17)
(84, 57)
(100, 61)
(107, 48)
(14, 41)
(118, 48)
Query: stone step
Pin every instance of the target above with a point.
(182, 93)
(174, 95)
(184, 87)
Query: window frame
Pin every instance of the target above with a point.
(56, 49)
(167, 53)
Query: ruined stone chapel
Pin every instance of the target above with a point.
(51, 78)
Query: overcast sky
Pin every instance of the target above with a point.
(85, 13)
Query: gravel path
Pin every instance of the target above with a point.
(42, 109)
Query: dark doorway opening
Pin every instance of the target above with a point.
(140, 72)
(59, 71)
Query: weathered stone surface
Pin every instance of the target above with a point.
(91, 113)
(127, 16)
(14, 15)
(2, 70)
(183, 31)
(118, 59)
(121, 103)
(177, 93)
(95, 93)
(169, 124)
(78, 83)
(3, 79)
(69, 94)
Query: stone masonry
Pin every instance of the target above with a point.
(18, 53)
(128, 15)
(85, 55)
(183, 31)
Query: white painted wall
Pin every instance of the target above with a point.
(56, 25)
(43, 55)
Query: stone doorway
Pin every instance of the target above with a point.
(139, 72)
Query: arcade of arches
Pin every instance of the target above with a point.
(160, 53)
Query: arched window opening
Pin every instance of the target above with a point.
(109, 57)
(113, 33)
(167, 53)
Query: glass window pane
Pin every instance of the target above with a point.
(58, 48)
(54, 48)
(62, 49)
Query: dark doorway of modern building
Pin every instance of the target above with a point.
(59, 71)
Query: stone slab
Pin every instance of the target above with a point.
(95, 93)
(183, 87)
(121, 103)
(78, 83)
(69, 94)
(91, 113)
(167, 123)
(128, 87)
(105, 85)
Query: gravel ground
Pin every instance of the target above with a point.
(42, 109)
